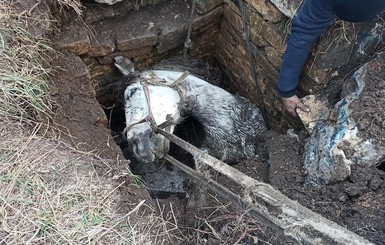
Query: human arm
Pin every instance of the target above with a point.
(313, 19)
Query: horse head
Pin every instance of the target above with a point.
(146, 146)
(148, 104)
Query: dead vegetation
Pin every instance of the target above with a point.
(51, 193)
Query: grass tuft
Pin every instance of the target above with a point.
(23, 79)
(50, 194)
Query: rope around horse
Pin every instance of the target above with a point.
(150, 116)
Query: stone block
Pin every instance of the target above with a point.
(288, 7)
(102, 43)
(268, 11)
(73, 38)
(77, 67)
(256, 38)
(171, 38)
(233, 16)
(267, 31)
(274, 56)
(136, 36)
(109, 59)
(203, 51)
(208, 36)
(145, 61)
(260, 58)
(100, 70)
(232, 36)
(201, 21)
(204, 6)
(318, 74)
(99, 12)
(235, 60)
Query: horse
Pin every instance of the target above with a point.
(232, 124)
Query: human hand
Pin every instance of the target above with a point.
(292, 103)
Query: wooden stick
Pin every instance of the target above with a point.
(262, 200)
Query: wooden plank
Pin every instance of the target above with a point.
(291, 217)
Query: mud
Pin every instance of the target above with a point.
(357, 202)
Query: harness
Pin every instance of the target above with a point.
(150, 117)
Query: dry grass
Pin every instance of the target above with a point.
(23, 79)
(222, 223)
(49, 192)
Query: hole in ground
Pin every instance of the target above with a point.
(162, 179)
(381, 166)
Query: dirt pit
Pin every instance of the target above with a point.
(356, 203)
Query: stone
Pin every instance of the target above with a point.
(317, 106)
(109, 59)
(375, 183)
(354, 190)
(256, 38)
(171, 38)
(260, 58)
(267, 31)
(202, 21)
(229, 35)
(208, 36)
(268, 11)
(73, 38)
(287, 7)
(173, 26)
(100, 70)
(232, 16)
(102, 43)
(109, 2)
(204, 51)
(274, 56)
(336, 142)
(204, 6)
(144, 40)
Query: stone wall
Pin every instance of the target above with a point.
(148, 31)
(146, 34)
(336, 55)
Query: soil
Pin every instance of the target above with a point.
(356, 203)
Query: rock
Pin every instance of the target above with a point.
(317, 106)
(354, 190)
(375, 183)
(129, 41)
(73, 38)
(337, 142)
(109, 2)
(204, 6)
(268, 11)
(288, 7)
(101, 44)
(268, 31)
(202, 21)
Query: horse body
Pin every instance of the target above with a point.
(232, 124)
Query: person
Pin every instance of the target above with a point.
(314, 17)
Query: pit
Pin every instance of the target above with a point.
(154, 33)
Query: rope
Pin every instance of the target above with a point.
(245, 36)
(188, 42)
(150, 117)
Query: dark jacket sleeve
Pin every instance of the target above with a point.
(313, 19)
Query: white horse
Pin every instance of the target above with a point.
(232, 124)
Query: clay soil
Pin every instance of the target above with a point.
(357, 203)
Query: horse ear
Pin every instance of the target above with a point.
(125, 65)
